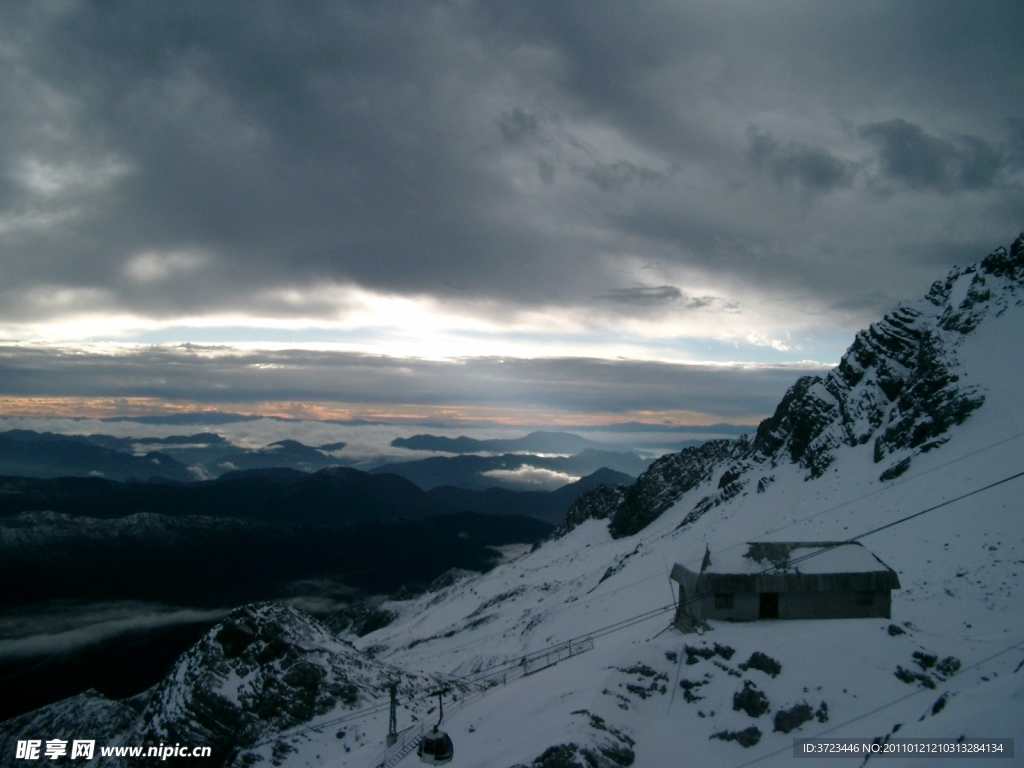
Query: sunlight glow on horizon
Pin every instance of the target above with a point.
(133, 407)
(423, 327)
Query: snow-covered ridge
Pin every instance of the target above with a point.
(265, 670)
(901, 386)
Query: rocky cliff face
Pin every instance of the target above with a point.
(899, 386)
(266, 669)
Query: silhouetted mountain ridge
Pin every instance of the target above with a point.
(536, 442)
(550, 506)
(506, 471)
(338, 495)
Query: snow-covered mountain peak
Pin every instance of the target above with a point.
(900, 387)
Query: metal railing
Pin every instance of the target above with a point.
(530, 664)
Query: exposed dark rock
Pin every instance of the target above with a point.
(574, 756)
(360, 619)
(925, 660)
(693, 653)
(895, 470)
(597, 504)
(235, 637)
(1009, 265)
(787, 720)
(910, 677)
(762, 662)
(750, 699)
(560, 756)
(689, 686)
(724, 651)
(666, 480)
(948, 667)
(745, 738)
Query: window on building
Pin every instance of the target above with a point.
(866, 598)
(723, 600)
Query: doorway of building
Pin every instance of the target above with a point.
(769, 605)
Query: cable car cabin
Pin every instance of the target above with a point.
(436, 748)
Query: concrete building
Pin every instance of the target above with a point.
(785, 580)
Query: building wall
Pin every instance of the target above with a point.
(746, 606)
(835, 605)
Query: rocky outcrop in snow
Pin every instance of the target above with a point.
(668, 479)
(265, 669)
(900, 385)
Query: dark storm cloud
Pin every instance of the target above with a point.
(190, 157)
(811, 168)
(911, 157)
(648, 296)
(611, 177)
(298, 144)
(1016, 146)
(518, 126)
(645, 295)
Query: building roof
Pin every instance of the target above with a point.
(796, 556)
(793, 565)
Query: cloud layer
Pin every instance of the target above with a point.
(62, 630)
(537, 179)
(313, 384)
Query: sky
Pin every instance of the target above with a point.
(484, 212)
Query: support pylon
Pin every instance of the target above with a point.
(393, 720)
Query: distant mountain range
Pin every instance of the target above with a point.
(35, 454)
(193, 521)
(536, 442)
(335, 496)
(506, 471)
(206, 455)
(549, 506)
(180, 458)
